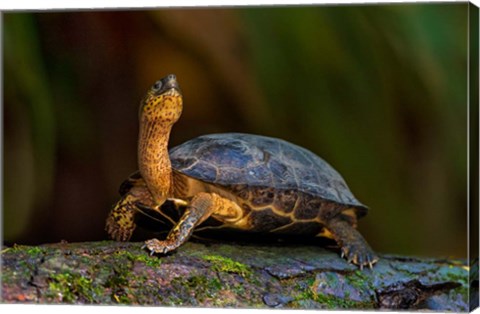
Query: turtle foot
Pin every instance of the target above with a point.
(120, 222)
(359, 255)
(118, 231)
(353, 246)
(155, 246)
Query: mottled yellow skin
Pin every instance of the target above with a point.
(158, 113)
(120, 223)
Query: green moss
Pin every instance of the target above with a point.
(328, 301)
(202, 287)
(23, 271)
(208, 287)
(238, 288)
(119, 278)
(68, 287)
(174, 301)
(17, 247)
(5, 250)
(30, 251)
(360, 281)
(23, 264)
(148, 260)
(225, 264)
(122, 299)
(34, 250)
(458, 276)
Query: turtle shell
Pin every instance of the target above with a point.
(235, 159)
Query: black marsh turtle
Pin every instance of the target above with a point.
(247, 182)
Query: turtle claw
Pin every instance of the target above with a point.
(360, 256)
(353, 246)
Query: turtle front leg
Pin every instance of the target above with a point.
(202, 206)
(120, 222)
(354, 247)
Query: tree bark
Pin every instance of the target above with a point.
(229, 275)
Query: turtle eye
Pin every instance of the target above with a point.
(157, 85)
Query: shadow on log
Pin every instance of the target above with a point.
(228, 275)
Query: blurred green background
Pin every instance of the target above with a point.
(379, 91)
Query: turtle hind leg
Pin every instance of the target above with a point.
(354, 247)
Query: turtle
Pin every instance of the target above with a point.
(242, 181)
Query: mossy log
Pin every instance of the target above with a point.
(228, 275)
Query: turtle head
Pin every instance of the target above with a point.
(163, 102)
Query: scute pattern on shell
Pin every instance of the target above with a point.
(233, 159)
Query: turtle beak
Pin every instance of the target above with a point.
(170, 82)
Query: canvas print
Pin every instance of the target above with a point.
(277, 157)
